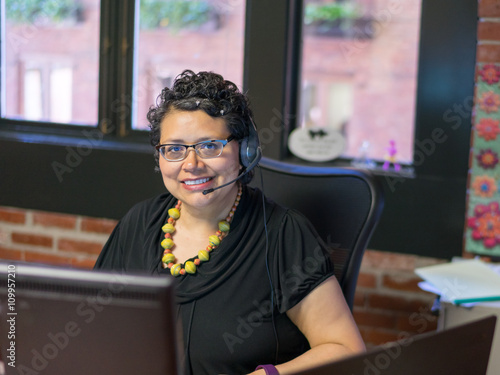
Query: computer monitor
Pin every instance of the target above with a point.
(461, 350)
(62, 321)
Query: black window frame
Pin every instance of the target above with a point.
(424, 213)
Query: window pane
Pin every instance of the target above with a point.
(180, 34)
(32, 94)
(51, 61)
(60, 94)
(359, 73)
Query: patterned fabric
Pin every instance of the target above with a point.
(482, 230)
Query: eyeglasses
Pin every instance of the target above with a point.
(206, 149)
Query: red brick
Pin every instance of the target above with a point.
(32, 239)
(385, 260)
(359, 299)
(54, 220)
(378, 336)
(12, 215)
(396, 303)
(488, 53)
(489, 8)
(79, 246)
(87, 263)
(53, 259)
(11, 254)
(487, 30)
(465, 254)
(367, 280)
(379, 301)
(98, 225)
(416, 323)
(373, 319)
(402, 282)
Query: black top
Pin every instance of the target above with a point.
(228, 324)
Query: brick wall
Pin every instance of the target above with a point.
(488, 32)
(388, 301)
(43, 237)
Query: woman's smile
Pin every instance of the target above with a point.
(187, 179)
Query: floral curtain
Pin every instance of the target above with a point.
(482, 234)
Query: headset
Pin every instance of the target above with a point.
(250, 155)
(250, 150)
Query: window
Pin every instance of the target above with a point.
(51, 58)
(55, 54)
(47, 91)
(360, 59)
(174, 35)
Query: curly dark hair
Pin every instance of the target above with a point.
(205, 91)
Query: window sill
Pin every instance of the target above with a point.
(376, 168)
(76, 136)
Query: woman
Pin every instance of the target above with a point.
(247, 302)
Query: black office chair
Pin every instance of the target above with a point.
(343, 204)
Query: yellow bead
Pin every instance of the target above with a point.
(167, 243)
(174, 213)
(175, 270)
(223, 226)
(214, 240)
(168, 228)
(190, 267)
(203, 255)
(168, 258)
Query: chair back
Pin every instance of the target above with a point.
(343, 204)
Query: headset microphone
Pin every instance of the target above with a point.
(246, 171)
(250, 155)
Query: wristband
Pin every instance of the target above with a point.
(269, 369)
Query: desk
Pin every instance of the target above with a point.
(451, 315)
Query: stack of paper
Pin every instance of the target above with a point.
(463, 281)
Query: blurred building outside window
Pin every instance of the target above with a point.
(174, 35)
(359, 73)
(50, 55)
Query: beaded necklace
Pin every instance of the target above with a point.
(169, 261)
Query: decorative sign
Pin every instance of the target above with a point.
(316, 144)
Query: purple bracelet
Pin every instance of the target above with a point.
(269, 369)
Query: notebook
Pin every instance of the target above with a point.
(462, 350)
(464, 281)
(60, 321)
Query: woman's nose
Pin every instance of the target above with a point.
(192, 159)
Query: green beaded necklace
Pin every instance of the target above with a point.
(169, 261)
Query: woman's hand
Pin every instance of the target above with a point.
(258, 372)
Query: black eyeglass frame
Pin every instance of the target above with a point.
(224, 142)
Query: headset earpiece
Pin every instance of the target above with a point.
(250, 152)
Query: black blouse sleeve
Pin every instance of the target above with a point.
(301, 260)
(134, 244)
(111, 256)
